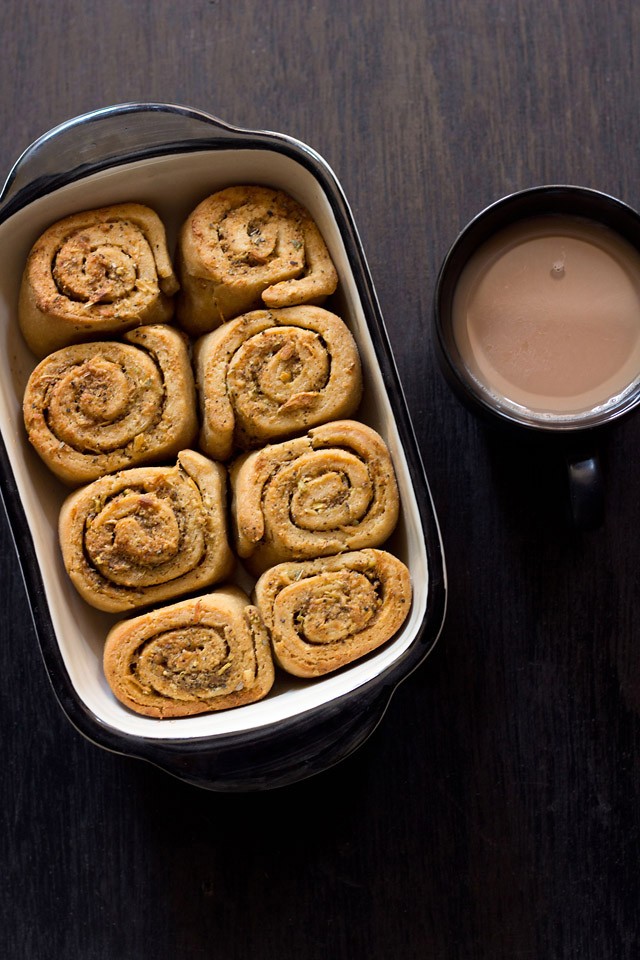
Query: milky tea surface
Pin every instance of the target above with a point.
(547, 314)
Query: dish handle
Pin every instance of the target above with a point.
(117, 134)
(299, 749)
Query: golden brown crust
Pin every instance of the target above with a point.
(200, 655)
(323, 614)
(149, 534)
(327, 492)
(91, 409)
(273, 373)
(95, 274)
(247, 247)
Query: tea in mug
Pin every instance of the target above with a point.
(546, 315)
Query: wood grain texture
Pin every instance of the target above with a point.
(495, 813)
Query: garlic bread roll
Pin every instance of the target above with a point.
(95, 274)
(327, 492)
(199, 655)
(247, 247)
(94, 408)
(141, 536)
(272, 373)
(323, 614)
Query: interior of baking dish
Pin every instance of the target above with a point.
(173, 185)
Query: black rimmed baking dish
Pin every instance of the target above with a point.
(170, 157)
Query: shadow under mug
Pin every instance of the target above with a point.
(575, 436)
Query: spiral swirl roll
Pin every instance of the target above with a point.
(327, 492)
(273, 373)
(148, 534)
(95, 274)
(196, 656)
(94, 408)
(325, 613)
(247, 247)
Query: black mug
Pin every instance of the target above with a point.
(505, 225)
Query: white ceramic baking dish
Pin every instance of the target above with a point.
(171, 157)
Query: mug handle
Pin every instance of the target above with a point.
(586, 490)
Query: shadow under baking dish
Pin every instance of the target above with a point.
(73, 635)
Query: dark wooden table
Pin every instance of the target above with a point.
(495, 813)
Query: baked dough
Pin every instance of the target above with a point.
(95, 274)
(327, 492)
(140, 536)
(270, 374)
(199, 655)
(323, 614)
(246, 247)
(94, 408)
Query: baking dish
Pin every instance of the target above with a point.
(170, 157)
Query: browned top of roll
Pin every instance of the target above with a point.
(93, 408)
(329, 491)
(245, 247)
(199, 655)
(137, 537)
(95, 273)
(272, 373)
(325, 613)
